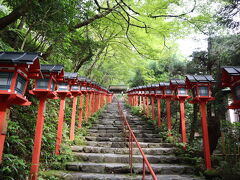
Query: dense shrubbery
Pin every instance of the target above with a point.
(19, 141)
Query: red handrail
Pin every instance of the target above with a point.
(131, 138)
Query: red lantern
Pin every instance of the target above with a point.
(43, 88)
(63, 91)
(200, 86)
(181, 94)
(16, 68)
(167, 94)
(75, 91)
(159, 94)
(231, 78)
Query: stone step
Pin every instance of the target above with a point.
(104, 131)
(150, 151)
(119, 131)
(98, 176)
(110, 127)
(117, 122)
(125, 144)
(90, 167)
(138, 135)
(124, 158)
(121, 139)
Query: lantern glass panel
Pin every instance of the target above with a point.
(159, 92)
(88, 88)
(75, 88)
(182, 91)
(63, 86)
(53, 86)
(83, 88)
(203, 90)
(152, 92)
(42, 83)
(168, 91)
(5, 80)
(237, 92)
(20, 84)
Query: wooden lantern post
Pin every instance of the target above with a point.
(201, 85)
(153, 95)
(159, 94)
(83, 84)
(181, 94)
(63, 91)
(167, 94)
(75, 92)
(88, 101)
(147, 95)
(43, 89)
(16, 68)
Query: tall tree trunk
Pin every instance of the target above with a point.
(25, 38)
(194, 122)
(15, 14)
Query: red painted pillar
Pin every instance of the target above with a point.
(153, 115)
(159, 112)
(3, 128)
(60, 126)
(183, 126)
(144, 105)
(90, 105)
(147, 107)
(168, 101)
(37, 140)
(86, 108)
(137, 100)
(72, 126)
(80, 111)
(140, 102)
(206, 147)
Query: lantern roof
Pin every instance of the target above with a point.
(155, 85)
(177, 82)
(18, 57)
(232, 70)
(70, 75)
(164, 84)
(47, 68)
(230, 76)
(81, 78)
(200, 78)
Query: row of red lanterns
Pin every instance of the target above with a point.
(50, 82)
(177, 89)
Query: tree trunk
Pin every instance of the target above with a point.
(194, 122)
(14, 15)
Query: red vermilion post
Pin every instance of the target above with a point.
(86, 108)
(60, 126)
(37, 140)
(90, 105)
(153, 115)
(3, 128)
(206, 147)
(144, 105)
(80, 111)
(72, 126)
(183, 126)
(159, 112)
(147, 107)
(168, 101)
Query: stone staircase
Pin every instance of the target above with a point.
(106, 154)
